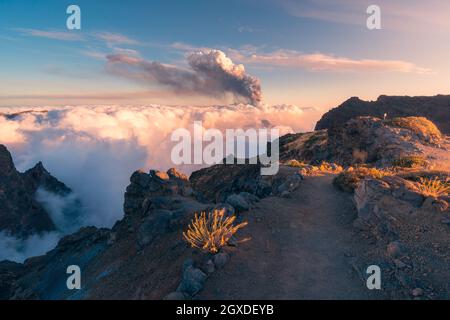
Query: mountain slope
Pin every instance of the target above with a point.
(436, 108)
(21, 214)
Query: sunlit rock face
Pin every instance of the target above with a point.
(434, 108)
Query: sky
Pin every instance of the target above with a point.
(308, 53)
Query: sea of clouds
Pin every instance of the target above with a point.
(95, 149)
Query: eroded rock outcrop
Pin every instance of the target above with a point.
(436, 108)
(407, 141)
(21, 214)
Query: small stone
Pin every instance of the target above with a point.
(192, 281)
(394, 249)
(285, 194)
(233, 242)
(399, 264)
(250, 198)
(360, 224)
(187, 263)
(220, 259)
(208, 267)
(176, 295)
(417, 292)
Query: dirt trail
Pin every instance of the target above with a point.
(300, 249)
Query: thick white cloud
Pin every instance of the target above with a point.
(94, 150)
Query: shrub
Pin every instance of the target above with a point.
(410, 162)
(309, 169)
(348, 180)
(433, 187)
(211, 232)
(295, 163)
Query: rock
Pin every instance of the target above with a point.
(399, 264)
(187, 264)
(159, 174)
(192, 281)
(175, 174)
(154, 225)
(220, 259)
(417, 292)
(250, 198)
(435, 108)
(360, 224)
(238, 202)
(291, 184)
(435, 205)
(285, 194)
(227, 208)
(394, 249)
(176, 295)
(208, 267)
(140, 178)
(23, 196)
(217, 182)
(367, 195)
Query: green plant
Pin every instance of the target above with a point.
(211, 232)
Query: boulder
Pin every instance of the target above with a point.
(192, 281)
(238, 202)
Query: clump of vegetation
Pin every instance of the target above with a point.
(211, 232)
(309, 169)
(421, 126)
(348, 180)
(315, 138)
(295, 163)
(410, 162)
(433, 187)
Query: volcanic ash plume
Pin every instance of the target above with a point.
(210, 73)
(220, 73)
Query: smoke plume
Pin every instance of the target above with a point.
(210, 73)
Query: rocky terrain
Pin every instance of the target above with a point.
(371, 140)
(306, 238)
(434, 108)
(21, 214)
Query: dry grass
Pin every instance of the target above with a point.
(295, 163)
(211, 232)
(421, 126)
(309, 169)
(348, 180)
(410, 162)
(433, 187)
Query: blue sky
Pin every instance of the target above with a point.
(310, 53)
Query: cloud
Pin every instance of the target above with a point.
(209, 73)
(259, 56)
(94, 151)
(404, 15)
(115, 38)
(248, 29)
(18, 250)
(326, 62)
(57, 35)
